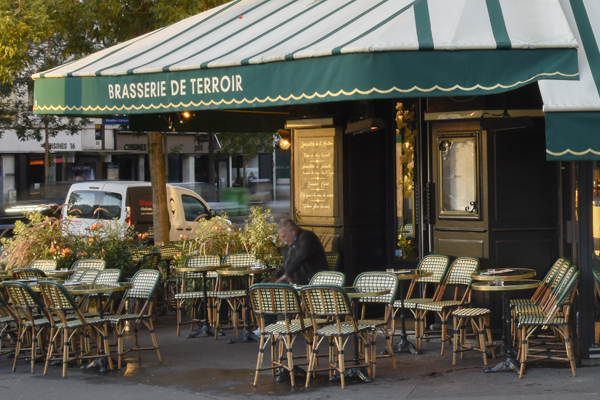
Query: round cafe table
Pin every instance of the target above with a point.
(404, 275)
(247, 271)
(506, 274)
(60, 274)
(506, 286)
(206, 330)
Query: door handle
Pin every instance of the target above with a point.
(472, 208)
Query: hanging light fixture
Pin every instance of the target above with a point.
(286, 139)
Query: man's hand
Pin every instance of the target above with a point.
(284, 279)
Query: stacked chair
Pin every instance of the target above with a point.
(553, 318)
(459, 279)
(191, 292)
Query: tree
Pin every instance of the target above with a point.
(247, 144)
(81, 27)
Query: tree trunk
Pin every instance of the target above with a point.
(46, 154)
(159, 187)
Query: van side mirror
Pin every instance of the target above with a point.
(212, 214)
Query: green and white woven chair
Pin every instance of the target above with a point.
(280, 300)
(333, 260)
(68, 322)
(167, 253)
(556, 319)
(44, 265)
(332, 302)
(191, 292)
(144, 282)
(438, 266)
(8, 319)
(332, 278)
(233, 296)
(105, 277)
(459, 279)
(27, 273)
(89, 263)
(32, 321)
(374, 282)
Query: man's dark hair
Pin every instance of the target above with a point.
(286, 224)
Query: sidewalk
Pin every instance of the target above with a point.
(203, 368)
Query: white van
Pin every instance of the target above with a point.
(131, 202)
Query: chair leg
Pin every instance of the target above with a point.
(341, 365)
(150, 326)
(53, 334)
(261, 350)
(455, 323)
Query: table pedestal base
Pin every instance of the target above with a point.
(354, 372)
(510, 364)
(245, 337)
(205, 331)
(403, 345)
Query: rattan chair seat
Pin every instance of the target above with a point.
(438, 306)
(373, 323)
(533, 319)
(470, 312)
(412, 303)
(346, 328)
(280, 329)
(229, 294)
(195, 295)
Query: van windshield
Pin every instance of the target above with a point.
(94, 205)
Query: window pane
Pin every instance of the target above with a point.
(83, 203)
(193, 208)
(111, 206)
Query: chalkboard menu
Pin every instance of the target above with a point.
(315, 167)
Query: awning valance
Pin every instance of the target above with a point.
(256, 53)
(572, 108)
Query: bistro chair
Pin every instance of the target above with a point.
(234, 297)
(459, 279)
(27, 273)
(190, 296)
(105, 277)
(438, 266)
(279, 300)
(8, 318)
(333, 260)
(44, 265)
(32, 319)
(144, 282)
(76, 276)
(88, 276)
(89, 263)
(555, 319)
(322, 301)
(332, 278)
(167, 254)
(138, 253)
(69, 322)
(374, 282)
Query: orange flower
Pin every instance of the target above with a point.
(93, 227)
(90, 240)
(51, 250)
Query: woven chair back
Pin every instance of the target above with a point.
(199, 260)
(22, 297)
(566, 295)
(377, 281)
(275, 298)
(137, 254)
(108, 277)
(461, 270)
(558, 264)
(89, 263)
(76, 276)
(437, 265)
(168, 251)
(89, 276)
(332, 278)
(144, 284)
(27, 273)
(5, 311)
(43, 265)
(333, 260)
(149, 261)
(239, 259)
(56, 297)
(327, 301)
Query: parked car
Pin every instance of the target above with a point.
(131, 202)
(13, 212)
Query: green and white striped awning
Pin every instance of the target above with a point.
(257, 53)
(572, 108)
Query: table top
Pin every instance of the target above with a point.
(507, 274)
(247, 270)
(406, 274)
(92, 288)
(522, 284)
(59, 273)
(201, 268)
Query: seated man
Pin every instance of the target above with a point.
(303, 255)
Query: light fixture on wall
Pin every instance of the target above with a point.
(364, 125)
(286, 139)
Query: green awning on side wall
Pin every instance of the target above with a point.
(261, 53)
(572, 108)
